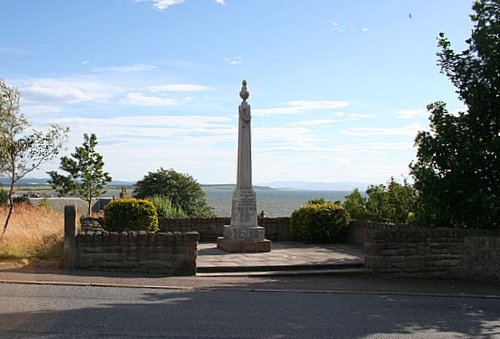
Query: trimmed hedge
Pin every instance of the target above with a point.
(130, 214)
(318, 222)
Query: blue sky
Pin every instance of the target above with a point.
(338, 89)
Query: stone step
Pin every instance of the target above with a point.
(278, 268)
(345, 272)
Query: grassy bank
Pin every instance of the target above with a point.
(34, 234)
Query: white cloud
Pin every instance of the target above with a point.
(85, 62)
(185, 121)
(361, 116)
(124, 69)
(412, 113)
(410, 130)
(40, 109)
(164, 4)
(140, 99)
(179, 88)
(69, 90)
(317, 122)
(300, 106)
(234, 60)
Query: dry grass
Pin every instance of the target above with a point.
(34, 234)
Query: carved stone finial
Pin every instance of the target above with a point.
(244, 94)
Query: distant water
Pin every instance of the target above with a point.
(275, 203)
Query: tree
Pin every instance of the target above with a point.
(20, 152)
(393, 202)
(457, 171)
(355, 204)
(183, 191)
(86, 176)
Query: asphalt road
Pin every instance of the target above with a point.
(44, 311)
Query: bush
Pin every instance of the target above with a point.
(166, 209)
(130, 214)
(318, 222)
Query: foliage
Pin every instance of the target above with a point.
(22, 199)
(392, 203)
(4, 197)
(165, 208)
(184, 192)
(22, 152)
(130, 214)
(355, 205)
(86, 176)
(317, 201)
(457, 171)
(318, 222)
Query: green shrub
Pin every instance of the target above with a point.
(130, 214)
(318, 222)
(23, 199)
(165, 208)
(4, 197)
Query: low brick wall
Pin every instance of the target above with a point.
(170, 253)
(165, 252)
(277, 229)
(358, 230)
(440, 253)
(210, 228)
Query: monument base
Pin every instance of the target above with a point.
(244, 239)
(244, 246)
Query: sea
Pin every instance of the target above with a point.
(274, 202)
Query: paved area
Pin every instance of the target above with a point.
(284, 256)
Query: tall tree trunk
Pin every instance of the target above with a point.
(11, 200)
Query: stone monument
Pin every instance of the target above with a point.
(244, 234)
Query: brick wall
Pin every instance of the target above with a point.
(164, 252)
(437, 253)
(358, 230)
(276, 228)
(170, 253)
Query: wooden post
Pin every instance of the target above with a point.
(69, 236)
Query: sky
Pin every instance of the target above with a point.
(338, 89)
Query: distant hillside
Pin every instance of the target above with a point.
(319, 186)
(25, 182)
(231, 187)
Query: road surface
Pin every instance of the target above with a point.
(50, 311)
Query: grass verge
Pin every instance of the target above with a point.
(34, 236)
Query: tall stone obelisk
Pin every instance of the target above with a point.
(244, 234)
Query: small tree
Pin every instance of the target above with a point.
(183, 191)
(86, 176)
(355, 204)
(393, 202)
(457, 171)
(20, 152)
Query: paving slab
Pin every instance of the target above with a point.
(283, 256)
